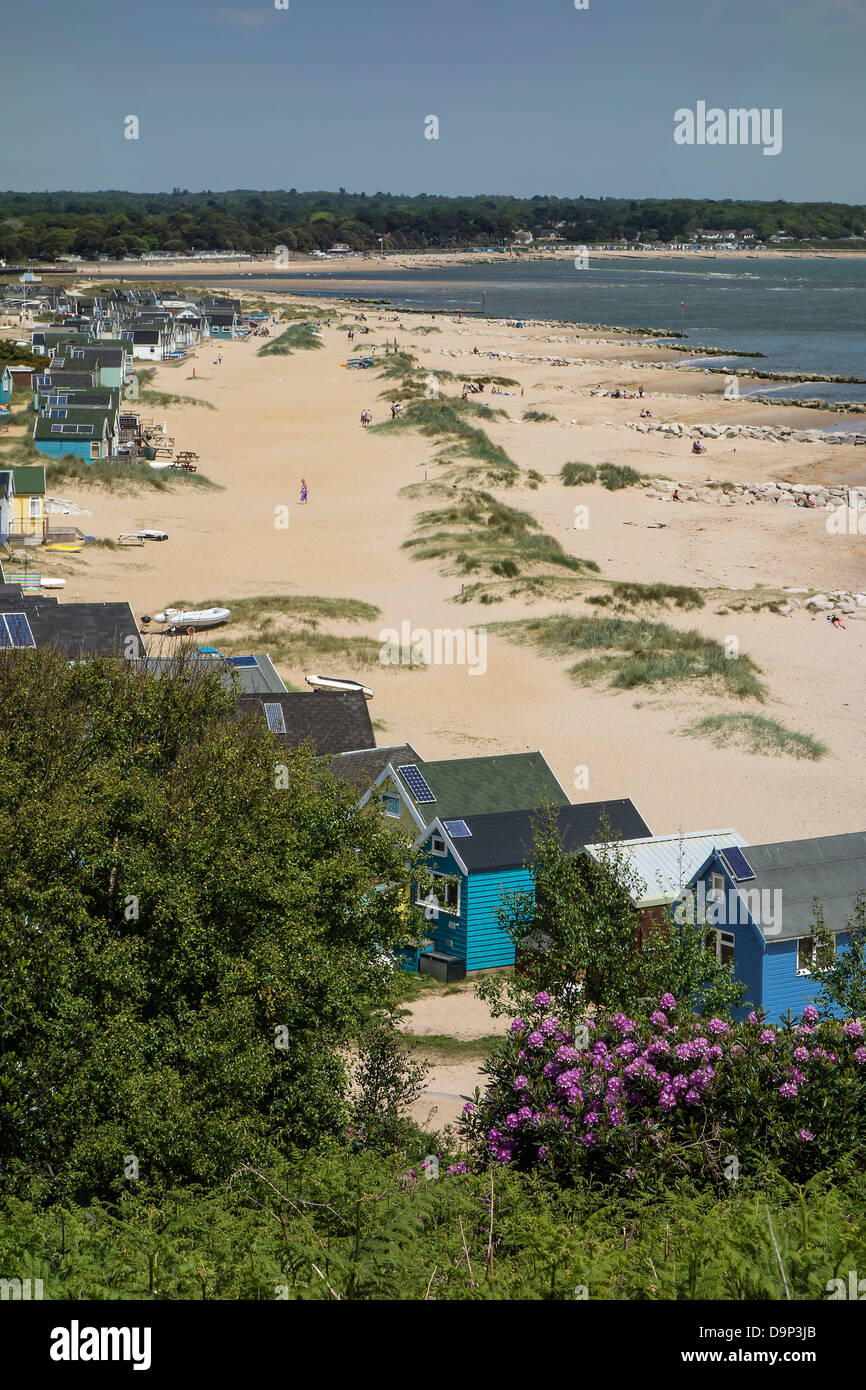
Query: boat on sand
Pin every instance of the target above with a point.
(193, 618)
(335, 683)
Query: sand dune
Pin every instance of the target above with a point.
(280, 418)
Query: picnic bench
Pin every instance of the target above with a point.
(185, 465)
(187, 456)
(129, 538)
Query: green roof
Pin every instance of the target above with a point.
(474, 786)
(29, 479)
(97, 420)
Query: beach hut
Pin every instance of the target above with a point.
(5, 386)
(756, 904)
(28, 519)
(482, 858)
(660, 866)
(65, 430)
(414, 792)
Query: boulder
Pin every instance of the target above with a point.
(819, 603)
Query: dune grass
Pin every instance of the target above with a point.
(477, 531)
(576, 474)
(680, 595)
(627, 653)
(287, 627)
(614, 476)
(298, 337)
(538, 417)
(114, 475)
(758, 734)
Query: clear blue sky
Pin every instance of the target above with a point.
(532, 96)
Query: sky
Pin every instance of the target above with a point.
(530, 96)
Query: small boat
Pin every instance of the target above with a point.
(52, 583)
(153, 535)
(195, 618)
(332, 683)
(73, 548)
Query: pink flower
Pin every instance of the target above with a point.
(801, 1054)
(853, 1030)
(806, 1135)
(768, 1036)
(787, 1090)
(667, 1001)
(536, 1040)
(810, 1014)
(860, 1056)
(541, 1000)
(718, 1026)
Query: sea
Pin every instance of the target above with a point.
(803, 314)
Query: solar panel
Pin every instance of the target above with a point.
(15, 630)
(416, 784)
(242, 661)
(457, 829)
(276, 719)
(737, 863)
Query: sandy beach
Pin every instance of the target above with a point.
(278, 419)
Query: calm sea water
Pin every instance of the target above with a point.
(803, 315)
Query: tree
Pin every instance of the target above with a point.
(842, 975)
(577, 939)
(189, 932)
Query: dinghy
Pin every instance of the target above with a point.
(153, 535)
(197, 617)
(332, 683)
(52, 583)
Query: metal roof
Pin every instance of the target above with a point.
(666, 863)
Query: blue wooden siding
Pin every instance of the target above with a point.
(474, 934)
(767, 968)
(784, 989)
(488, 944)
(66, 445)
(5, 386)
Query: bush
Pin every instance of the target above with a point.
(614, 476)
(628, 1103)
(576, 474)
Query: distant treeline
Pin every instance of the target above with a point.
(46, 225)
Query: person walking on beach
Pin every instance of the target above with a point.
(304, 491)
(219, 359)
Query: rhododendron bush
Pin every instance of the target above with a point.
(632, 1102)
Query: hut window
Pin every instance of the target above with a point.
(390, 804)
(805, 955)
(438, 846)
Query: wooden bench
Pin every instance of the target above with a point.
(129, 538)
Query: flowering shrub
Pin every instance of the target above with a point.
(699, 1097)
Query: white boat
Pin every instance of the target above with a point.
(153, 535)
(332, 683)
(196, 617)
(51, 583)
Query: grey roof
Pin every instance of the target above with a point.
(829, 867)
(335, 721)
(93, 629)
(64, 379)
(362, 766)
(505, 839)
(261, 679)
